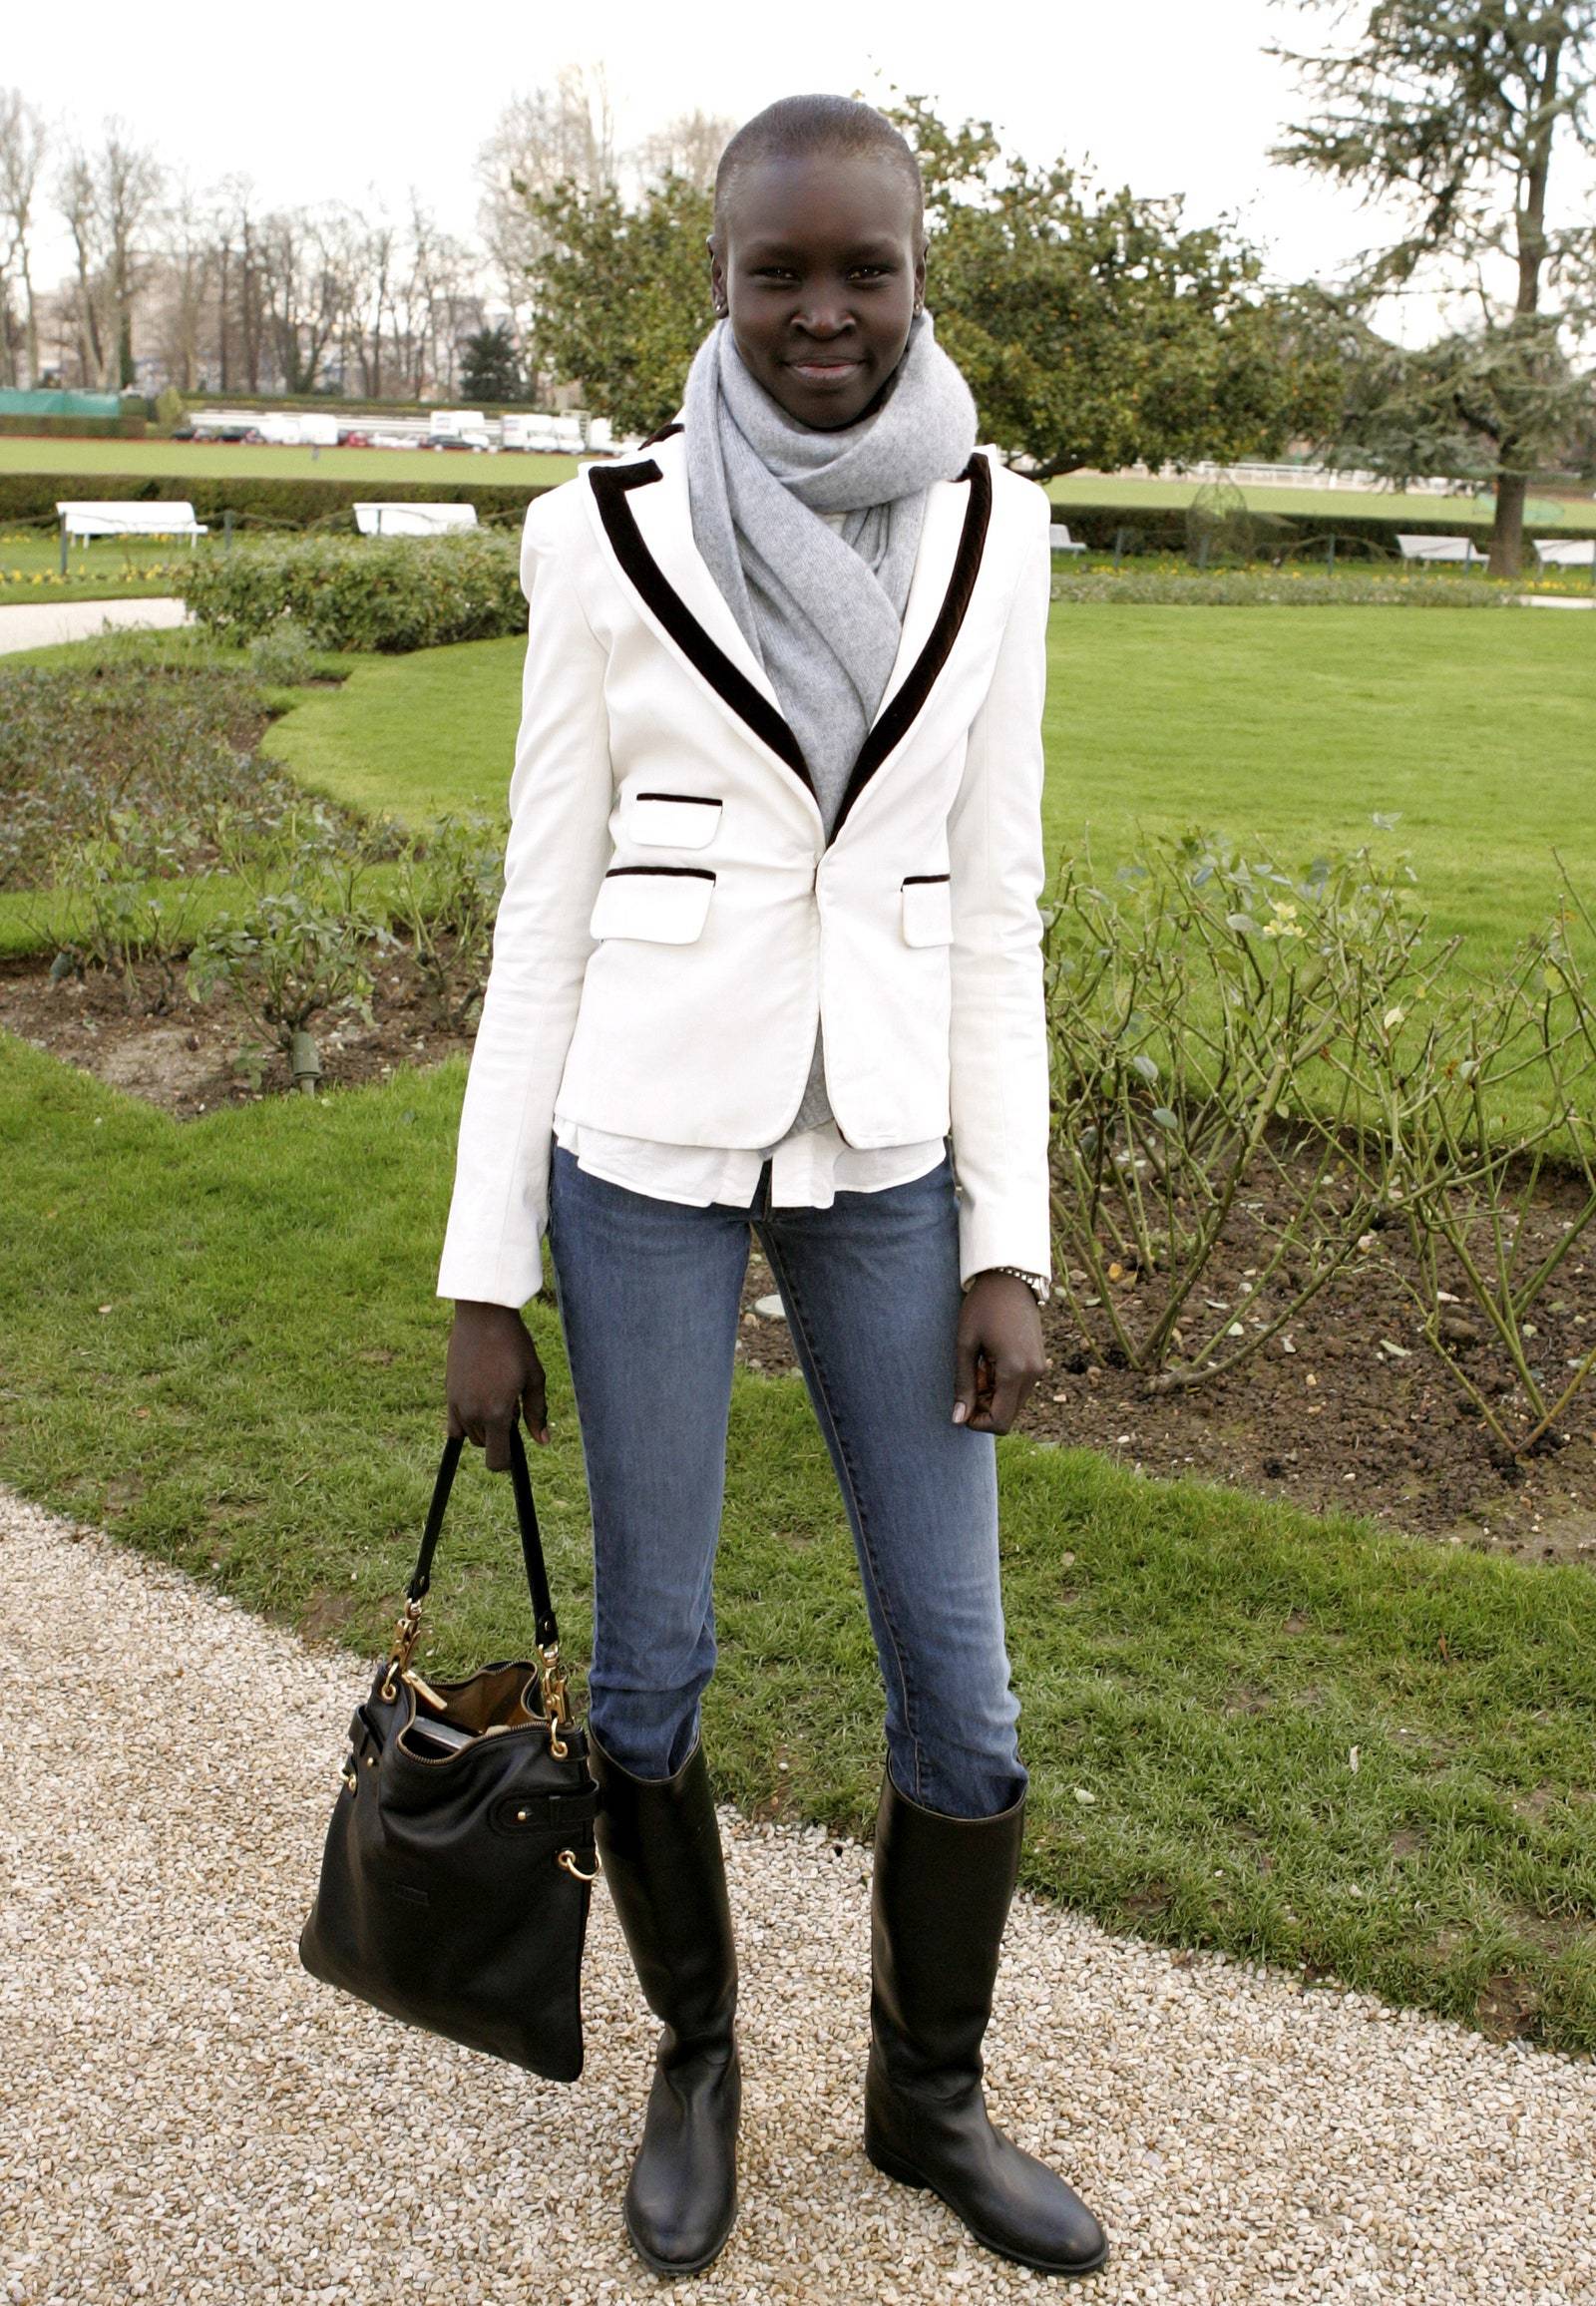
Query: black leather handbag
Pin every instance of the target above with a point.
(458, 1867)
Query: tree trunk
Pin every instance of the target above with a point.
(1507, 531)
(32, 320)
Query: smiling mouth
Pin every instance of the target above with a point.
(824, 371)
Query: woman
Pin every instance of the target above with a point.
(769, 933)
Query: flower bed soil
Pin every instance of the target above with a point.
(1358, 1415)
(1341, 1420)
(182, 1057)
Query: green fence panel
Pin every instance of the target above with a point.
(60, 404)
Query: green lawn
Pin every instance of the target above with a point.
(241, 460)
(419, 734)
(1290, 730)
(1479, 731)
(220, 1340)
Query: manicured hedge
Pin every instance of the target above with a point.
(263, 502)
(388, 594)
(128, 428)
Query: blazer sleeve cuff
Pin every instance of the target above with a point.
(471, 1274)
(1001, 1235)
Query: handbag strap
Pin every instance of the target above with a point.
(526, 1516)
(548, 1630)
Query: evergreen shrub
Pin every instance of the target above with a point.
(384, 594)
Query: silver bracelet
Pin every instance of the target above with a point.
(1037, 1283)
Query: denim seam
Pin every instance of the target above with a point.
(800, 1324)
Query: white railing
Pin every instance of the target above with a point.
(1262, 476)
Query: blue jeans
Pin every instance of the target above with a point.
(649, 1294)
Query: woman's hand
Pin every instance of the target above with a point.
(998, 1352)
(492, 1372)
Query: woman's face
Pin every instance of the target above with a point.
(820, 262)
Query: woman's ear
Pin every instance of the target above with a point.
(717, 280)
(920, 279)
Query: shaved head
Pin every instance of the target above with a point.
(807, 126)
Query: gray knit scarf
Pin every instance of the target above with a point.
(822, 610)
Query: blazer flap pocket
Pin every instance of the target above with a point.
(928, 910)
(674, 820)
(666, 904)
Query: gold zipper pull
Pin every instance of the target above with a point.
(427, 1690)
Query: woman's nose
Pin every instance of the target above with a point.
(824, 315)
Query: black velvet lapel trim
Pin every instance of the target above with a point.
(905, 707)
(610, 486)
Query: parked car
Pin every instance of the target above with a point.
(457, 428)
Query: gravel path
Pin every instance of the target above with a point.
(41, 624)
(190, 2118)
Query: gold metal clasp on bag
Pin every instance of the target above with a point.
(555, 1697)
(405, 1635)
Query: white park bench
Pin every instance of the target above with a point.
(1062, 541)
(1566, 552)
(84, 518)
(1462, 549)
(413, 520)
(128, 518)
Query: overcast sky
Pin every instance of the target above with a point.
(1169, 95)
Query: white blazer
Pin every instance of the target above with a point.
(674, 917)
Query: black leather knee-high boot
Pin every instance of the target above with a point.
(942, 1891)
(660, 1841)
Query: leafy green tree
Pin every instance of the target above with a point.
(1095, 330)
(489, 369)
(1098, 329)
(1450, 112)
(1455, 407)
(623, 294)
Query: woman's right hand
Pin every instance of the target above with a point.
(492, 1374)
